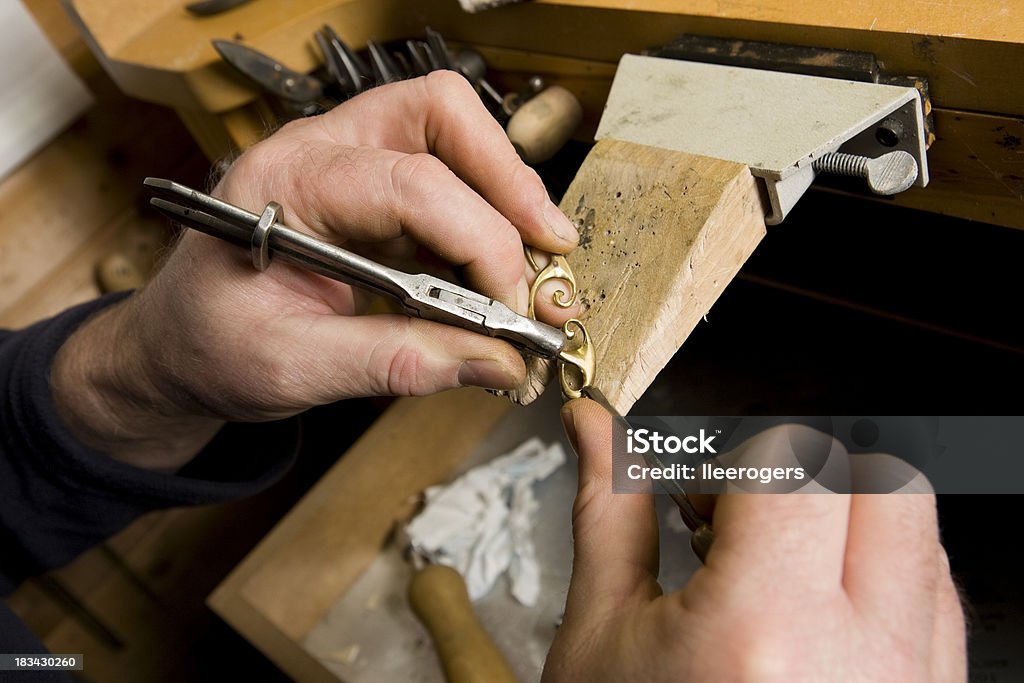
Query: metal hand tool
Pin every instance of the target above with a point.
(303, 91)
(471, 64)
(419, 56)
(439, 56)
(210, 7)
(422, 296)
(385, 70)
(345, 66)
(702, 535)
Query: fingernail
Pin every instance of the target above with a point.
(560, 225)
(570, 429)
(487, 373)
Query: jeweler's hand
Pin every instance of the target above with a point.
(797, 587)
(211, 339)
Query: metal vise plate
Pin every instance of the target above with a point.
(775, 123)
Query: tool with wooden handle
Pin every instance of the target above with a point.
(544, 123)
(439, 598)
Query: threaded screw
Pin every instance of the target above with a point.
(888, 174)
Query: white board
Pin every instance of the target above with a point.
(41, 95)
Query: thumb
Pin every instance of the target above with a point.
(393, 355)
(616, 534)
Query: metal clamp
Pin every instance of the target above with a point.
(261, 236)
(778, 124)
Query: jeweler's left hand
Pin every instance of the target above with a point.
(797, 587)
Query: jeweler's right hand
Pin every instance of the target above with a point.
(150, 380)
(797, 587)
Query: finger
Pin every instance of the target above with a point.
(616, 535)
(369, 194)
(792, 542)
(949, 637)
(891, 569)
(441, 114)
(377, 355)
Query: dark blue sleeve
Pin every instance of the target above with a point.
(58, 497)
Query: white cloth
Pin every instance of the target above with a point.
(481, 523)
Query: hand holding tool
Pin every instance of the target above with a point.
(702, 535)
(421, 295)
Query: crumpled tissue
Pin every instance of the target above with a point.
(481, 523)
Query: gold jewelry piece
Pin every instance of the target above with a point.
(577, 363)
(556, 269)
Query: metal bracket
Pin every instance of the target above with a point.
(776, 123)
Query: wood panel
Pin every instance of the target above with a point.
(279, 592)
(157, 52)
(662, 234)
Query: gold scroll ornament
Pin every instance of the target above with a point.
(577, 363)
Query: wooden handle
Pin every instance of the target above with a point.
(544, 124)
(439, 598)
(116, 273)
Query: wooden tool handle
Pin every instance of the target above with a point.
(439, 598)
(544, 124)
(116, 273)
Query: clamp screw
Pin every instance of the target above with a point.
(890, 173)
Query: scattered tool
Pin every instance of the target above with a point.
(439, 56)
(544, 123)
(303, 92)
(539, 120)
(385, 70)
(438, 596)
(421, 295)
(471, 64)
(117, 273)
(345, 67)
(474, 6)
(419, 55)
(211, 7)
(513, 100)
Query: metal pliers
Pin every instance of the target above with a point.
(421, 296)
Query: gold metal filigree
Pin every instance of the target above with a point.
(577, 363)
(556, 269)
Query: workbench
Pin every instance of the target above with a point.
(968, 51)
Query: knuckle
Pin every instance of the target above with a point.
(527, 180)
(402, 368)
(406, 373)
(589, 505)
(415, 170)
(444, 84)
(283, 378)
(765, 654)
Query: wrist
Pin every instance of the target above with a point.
(108, 389)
